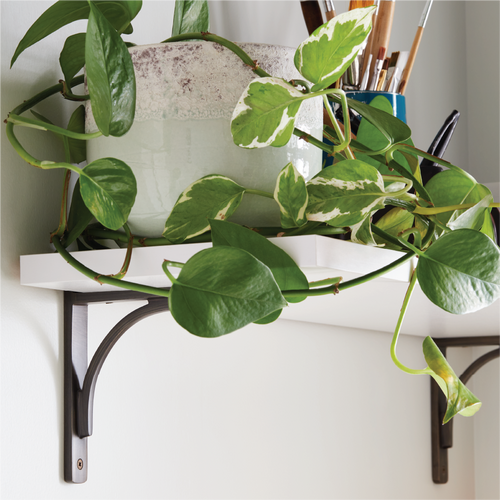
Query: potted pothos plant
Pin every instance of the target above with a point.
(243, 277)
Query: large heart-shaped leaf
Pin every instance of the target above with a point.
(61, 13)
(72, 58)
(190, 16)
(291, 195)
(211, 197)
(329, 51)
(460, 272)
(222, 289)
(459, 398)
(345, 193)
(285, 271)
(110, 76)
(108, 188)
(265, 114)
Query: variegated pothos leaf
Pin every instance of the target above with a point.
(345, 194)
(265, 114)
(362, 232)
(329, 51)
(211, 197)
(291, 195)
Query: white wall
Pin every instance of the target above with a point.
(289, 411)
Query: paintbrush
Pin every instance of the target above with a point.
(312, 14)
(390, 70)
(377, 69)
(329, 10)
(414, 48)
(382, 76)
(393, 84)
(353, 74)
(368, 56)
(383, 28)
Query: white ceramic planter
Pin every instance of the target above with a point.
(186, 93)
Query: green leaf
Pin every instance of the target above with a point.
(345, 193)
(110, 76)
(63, 12)
(460, 272)
(72, 58)
(79, 216)
(459, 398)
(285, 271)
(394, 222)
(330, 50)
(291, 195)
(211, 197)
(108, 188)
(77, 147)
(222, 289)
(191, 16)
(265, 114)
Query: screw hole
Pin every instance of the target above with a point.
(79, 464)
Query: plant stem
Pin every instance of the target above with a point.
(344, 141)
(395, 337)
(105, 279)
(210, 37)
(351, 283)
(312, 140)
(258, 192)
(451, 208)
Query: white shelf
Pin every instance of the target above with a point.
(372, 306)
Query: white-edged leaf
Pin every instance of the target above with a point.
(472, 218)
(344, 194)
(211, 197)
(291, 195)
(329, 51)
(265, 114)
(362, 232)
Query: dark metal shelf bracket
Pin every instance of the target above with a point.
(442, 435)
(80, 377)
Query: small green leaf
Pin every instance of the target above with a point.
(285, 271)
(110, 76)
(72, 58)
(79, 216)
(265, 114)
(291, 195)
(191, 16)
(459, 398)
(222, 289)
(460, 272)
(330, 50)
(77, 147)
(108, 188)
(344, 194)
(211, 197)
(394, 222)
(63, 12)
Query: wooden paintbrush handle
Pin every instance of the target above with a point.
(383, 28)
(411, 60)
(312, 14)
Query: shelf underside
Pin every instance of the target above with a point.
(372, 306)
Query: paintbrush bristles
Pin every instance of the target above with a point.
(356, 4)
